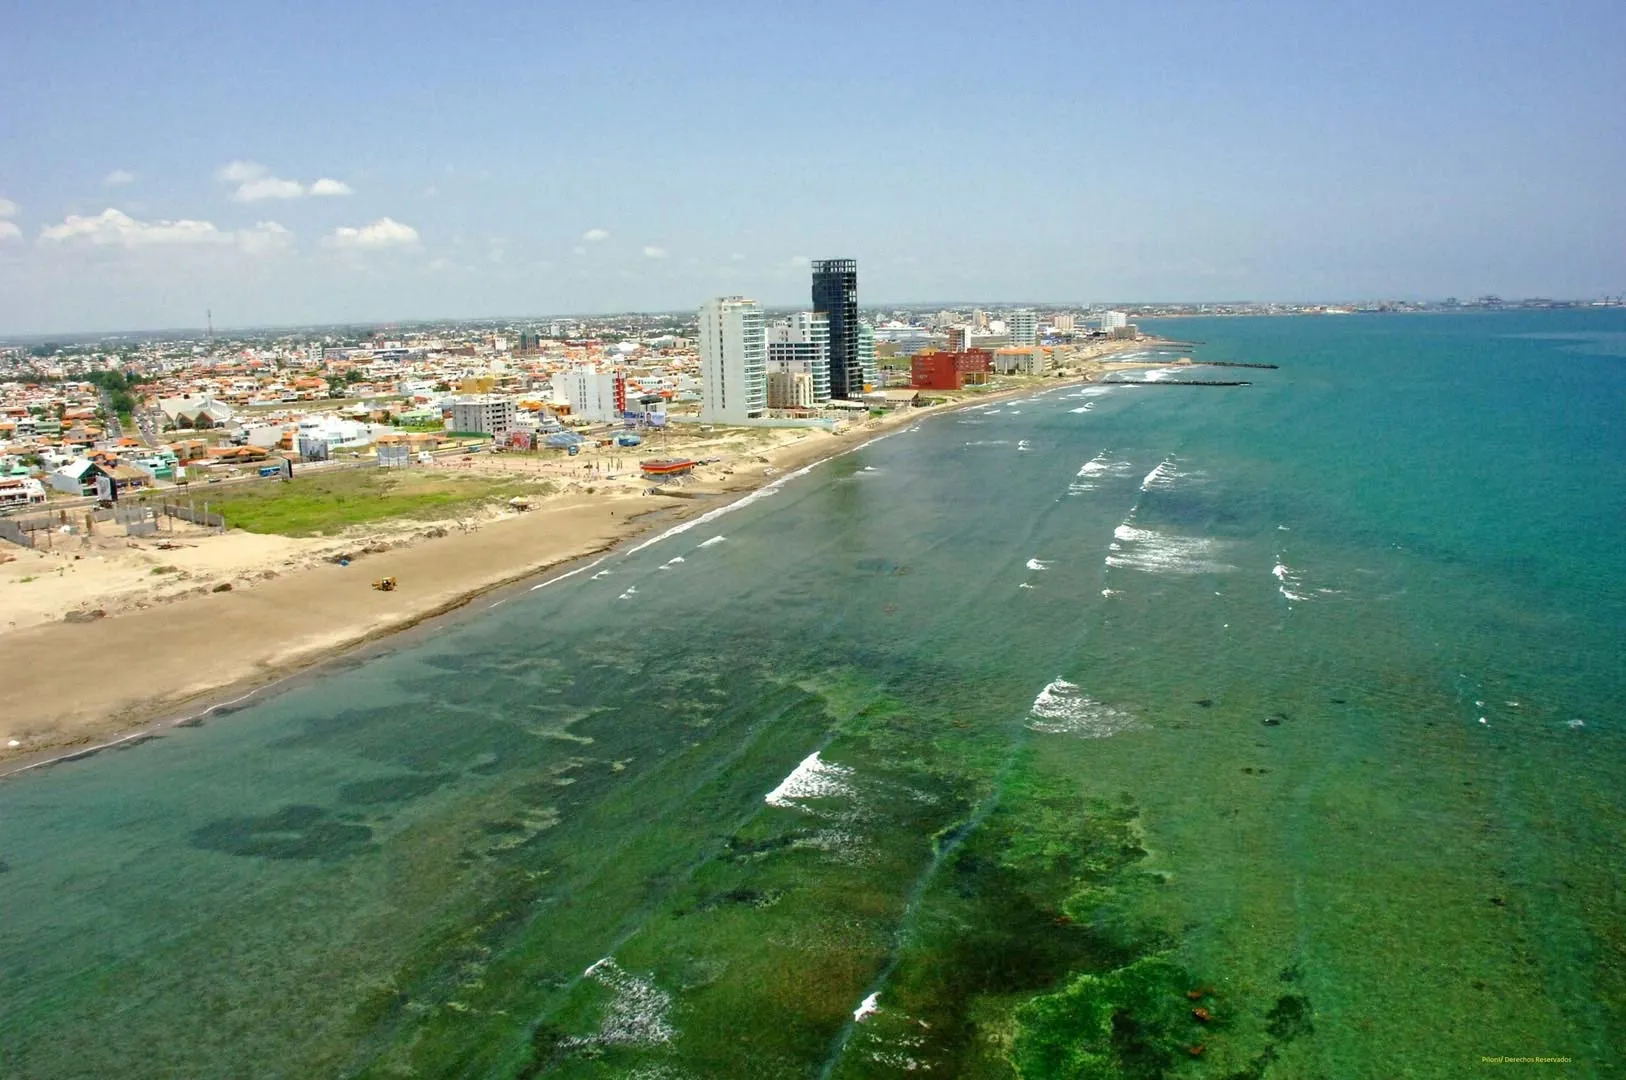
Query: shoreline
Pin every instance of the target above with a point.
(144, 718)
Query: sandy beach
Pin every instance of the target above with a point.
(155, 639)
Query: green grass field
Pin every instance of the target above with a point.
(328, 504)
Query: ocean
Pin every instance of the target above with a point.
(1259, 731)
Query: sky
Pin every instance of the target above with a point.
(297, 163)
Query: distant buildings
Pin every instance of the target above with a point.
(801, 343)
(1063, 324)
(1024, 327)
(835, 293)
(1113, 320)
(485, 413)
(733, 361)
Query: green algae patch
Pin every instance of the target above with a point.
(293, 832)
(1135, 1021)
(391, 789)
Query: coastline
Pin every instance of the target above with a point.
(88, 687)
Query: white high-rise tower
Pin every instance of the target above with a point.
(1024, 327)
(733, 361)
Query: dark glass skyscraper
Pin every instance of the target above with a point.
(835, 293)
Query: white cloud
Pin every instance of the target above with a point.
(268, 187)
(578, 251)
(385, 232)
(255, 182)
(594, 236)
(9, 230)
(240, 172)
(112, 227)
(265, 238)
(653, 252)
(118, 177)
(7, 208)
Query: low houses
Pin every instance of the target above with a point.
(21, 491)
(194, 411)
(77, 477)
(80, 476)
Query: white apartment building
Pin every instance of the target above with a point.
(1024, 327)
(486, 413)
(801, 343)
(1023, 360)
(733, 361)
(1113, 320)
(1063, 323)
(598, 396)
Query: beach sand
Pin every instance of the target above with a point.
(167, 645)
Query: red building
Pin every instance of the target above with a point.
(950, 370)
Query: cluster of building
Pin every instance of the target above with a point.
(805, 362)
(205, 405)
(800, 364)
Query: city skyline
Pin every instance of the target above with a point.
(326, 168)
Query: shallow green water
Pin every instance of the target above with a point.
(1227, 741)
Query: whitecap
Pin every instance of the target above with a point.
(811, 779)
(867, 1007)
(636, 1015)
(1061, 708)
(1161, 553)
(1038, 564)
(713, 541)
(1162, 476)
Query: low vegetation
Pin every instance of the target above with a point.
(329, 503)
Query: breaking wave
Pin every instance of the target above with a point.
(1063, 709)
(1160, 553)
(811, 779)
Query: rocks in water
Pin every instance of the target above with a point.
(1205, 703)
(1274, 719)
(224, 586)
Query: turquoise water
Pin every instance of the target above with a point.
(1299, 703)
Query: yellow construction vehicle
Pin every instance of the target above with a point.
(385, 584)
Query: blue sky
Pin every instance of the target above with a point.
(305, 162)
